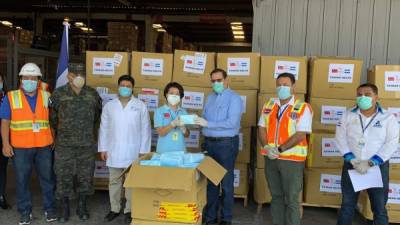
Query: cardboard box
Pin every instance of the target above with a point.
(387, 79)
(151, 69)
(393, 106)
(272, 66)
(153, 185)
(152, 97)
(327, 112)
(195, 99)
(241, 181)
(249, 98)
(323, 152)
(393, 205)
(265, 97)
(193, 68)
(334, 77)
(243, 69)
(261, 190)
(323, 187)
(394, 163)
(101, 175)
(244, 146)
(104, 68)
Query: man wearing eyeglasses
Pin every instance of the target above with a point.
(221, 125)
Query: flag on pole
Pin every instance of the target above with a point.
(62, 68)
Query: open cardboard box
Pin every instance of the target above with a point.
(152, 185)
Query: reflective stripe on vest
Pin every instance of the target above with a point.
(286, 128)
(16, 99)
(28, 124)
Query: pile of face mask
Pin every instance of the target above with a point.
(174, 159)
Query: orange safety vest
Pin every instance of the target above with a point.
(278, 132)
(43, 86)
(28, 129)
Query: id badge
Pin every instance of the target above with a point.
(175, 136)
(361, 142)
(36, 127)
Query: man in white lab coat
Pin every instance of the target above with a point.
(367, 136)
(125, 133)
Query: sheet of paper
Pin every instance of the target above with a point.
(372, 179)
(152, 67)
(103, 66)
(238, 66)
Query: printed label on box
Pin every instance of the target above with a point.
(105, 98)
(394, 193)
(395, 112)
(329, 148)
(101, 170)
(392, 81)
(395, 159)
(195, 64)
(330, 183)
(193, 141)
(238, 66)
(102, 90)
(154, 137)
(341, 73)
(287, 67)
(236, 180)
(331, 114)
(244, 98)
(151, 101)
(240, 141)
(103, 66)
(117, 59)
(193, 100)
(152, 67)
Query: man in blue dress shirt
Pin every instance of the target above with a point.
(221, 124)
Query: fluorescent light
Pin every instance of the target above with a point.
(86, 29)
(6, 23)
(79, 24)
(235, 27)
(238, 32)
(157, 25)
(236, 23)
(161, 30)
(239, 36)
(18, 28)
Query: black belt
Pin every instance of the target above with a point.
(220, 138)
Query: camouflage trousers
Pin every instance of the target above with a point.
(74, 169)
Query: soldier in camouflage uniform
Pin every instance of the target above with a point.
(76, 109)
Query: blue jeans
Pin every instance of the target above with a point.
(225, 153)
(42, 160)
(377, 196)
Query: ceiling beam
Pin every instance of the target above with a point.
(231, 44)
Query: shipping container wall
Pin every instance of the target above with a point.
(366, 29)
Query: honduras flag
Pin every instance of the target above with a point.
(62, 68)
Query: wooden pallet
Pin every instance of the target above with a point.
(244, 197)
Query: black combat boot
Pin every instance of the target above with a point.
(3, 202)
(82, 211)
(63, 210)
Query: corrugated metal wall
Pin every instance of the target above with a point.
(366, 29)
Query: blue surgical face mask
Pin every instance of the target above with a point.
(364, 102)
(29, 85)
(283, 92)
(218, 87)
(125, 91)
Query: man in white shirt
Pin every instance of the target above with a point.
(367, 136)
(125, 133)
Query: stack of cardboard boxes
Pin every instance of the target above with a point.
(122, 36)
(333, 83)
(271, 67)
(243, 71)
(102, 72)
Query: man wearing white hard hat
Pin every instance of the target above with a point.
(27, 139)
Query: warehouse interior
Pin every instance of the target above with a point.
(305, 37)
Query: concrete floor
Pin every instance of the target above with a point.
(99, 206)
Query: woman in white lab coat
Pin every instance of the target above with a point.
(171, 130)
(125, 133)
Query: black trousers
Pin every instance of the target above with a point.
(3, 171)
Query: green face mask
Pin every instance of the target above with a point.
(364, 102)
(218, 87)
